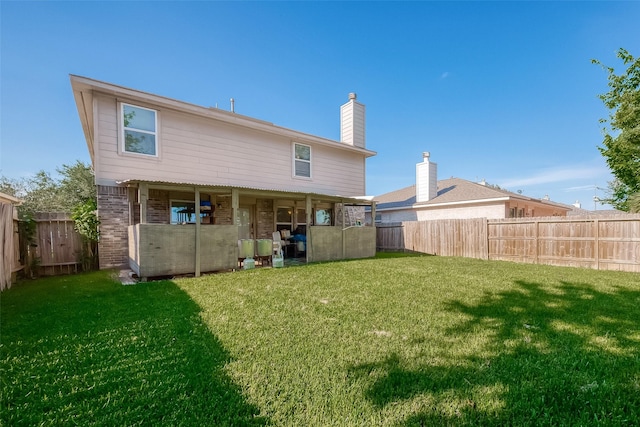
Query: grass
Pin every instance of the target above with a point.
(391, 341)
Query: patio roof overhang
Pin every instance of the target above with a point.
(248, 191)
(235, 192)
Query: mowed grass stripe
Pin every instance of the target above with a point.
(389, 341)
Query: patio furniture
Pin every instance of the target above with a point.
(278, 244)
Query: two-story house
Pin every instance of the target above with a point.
(179, 184)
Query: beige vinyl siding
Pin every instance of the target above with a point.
(206, 151)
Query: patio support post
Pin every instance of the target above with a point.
(198, 220)
(235, 205)
(344, 227)
(131, 197)
(373, 213)
(143, 196)
(307, 210)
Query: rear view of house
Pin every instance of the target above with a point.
(180, 184)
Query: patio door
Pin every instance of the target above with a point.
(245, 230)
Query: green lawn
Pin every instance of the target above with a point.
(391, 341)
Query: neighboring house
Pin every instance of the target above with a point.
(179, 184)
(457, 198)
(577, 210)
(9, 240)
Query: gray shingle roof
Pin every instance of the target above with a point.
(449, 191)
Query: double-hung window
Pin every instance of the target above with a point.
(139, 130)
(301, 160)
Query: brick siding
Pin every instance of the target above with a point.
(113, 211)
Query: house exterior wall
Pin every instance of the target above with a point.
(158, 207)
(265, 219)
(490, 211)
(203, 148)
(207, 151)
(462, 212)
(529, 209)
(113, 211)
(398, 216)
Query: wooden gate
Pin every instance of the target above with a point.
(57, 247)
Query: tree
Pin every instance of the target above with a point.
(621, 144)
(634, 203)
(43, 193)
(74, 193)
(86, 223)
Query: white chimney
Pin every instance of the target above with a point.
(426, 179)
(352, 122)
(577, 204)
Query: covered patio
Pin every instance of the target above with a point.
(178, 229)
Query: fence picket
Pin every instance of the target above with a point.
(607, 243)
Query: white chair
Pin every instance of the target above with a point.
(277, 244)
(286, 242)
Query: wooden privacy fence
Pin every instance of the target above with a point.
(604, 243)
(57, 245)
(9, 245)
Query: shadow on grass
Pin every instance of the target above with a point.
(106, 354)
(383, 254)
(568, 355)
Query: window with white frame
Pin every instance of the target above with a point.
(301, 160)
(139, 130)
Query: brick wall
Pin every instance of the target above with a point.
(222, 214)
(158, 207)
(266, 219)
(113, 211)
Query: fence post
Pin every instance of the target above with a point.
(596, 246)
(486, 230)
(536, 238)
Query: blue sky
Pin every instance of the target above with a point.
(501, 91)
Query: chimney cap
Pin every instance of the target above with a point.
(425, 154)
(353, 95)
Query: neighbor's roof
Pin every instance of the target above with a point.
(451, 191)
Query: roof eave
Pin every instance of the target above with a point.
(168, 185)
(83, 85)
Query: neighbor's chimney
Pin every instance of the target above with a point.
(352, 122)
(426, 179)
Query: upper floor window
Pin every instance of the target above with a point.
(302, 160)
(139, 127)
